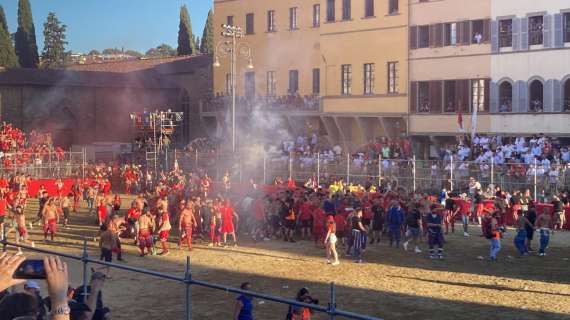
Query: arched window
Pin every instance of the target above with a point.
(536, 96)
(566, 100)
(505, 97)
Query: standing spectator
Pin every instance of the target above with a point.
(531, 217)
(559, 215)
(358, 235)
(544, 225)
(244, 307)
(395, 221)
(413, 222)
(434, 223)
(330, 242)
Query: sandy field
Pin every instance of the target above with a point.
(391, 284)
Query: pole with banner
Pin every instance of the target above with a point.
(414, 172)
(451, 173)
(318, 169)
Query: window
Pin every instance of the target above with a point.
(330, 11)
(566, 102)
(228, 83)
(393, 77)
(450, 96)
(369, 8)
(505, 97)
(479, 94)
(567, 27)
(505, 33)
(423, 97)
(316, 15)
(369, 78)
(293, 81)
(450, 34)
(536, 96)
(346, 85)
(271, 21)
(464, 33)
(250, 84)
(477, 31)
(230, 20)
(292, 18)
(393, 6)
(249, 23)
(346, 14)
(535, 30)
(316, 81)
(271, 83)
(423, 36)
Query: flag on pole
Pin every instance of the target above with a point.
(474, 121)
(460, 120)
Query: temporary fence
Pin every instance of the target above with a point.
(44, 165)
(188, 280)
(411, 174)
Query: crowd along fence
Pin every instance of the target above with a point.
(188, 281)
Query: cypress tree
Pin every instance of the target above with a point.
(8, 56)
(26, 47)
(186, 41)
(53, 55)
(207, 45)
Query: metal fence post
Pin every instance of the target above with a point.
(332, 302)
(347, 169)
(196, 160)
(414, 172)
(83, 158)
(318, 169)
(535, 178)
(264, 168)
(188, 281)
(379, 171)
(84, 259)
(451, 173)
(290, 165)
(493, 171)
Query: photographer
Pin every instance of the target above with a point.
(302, 313)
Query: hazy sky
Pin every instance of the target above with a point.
(100, 24)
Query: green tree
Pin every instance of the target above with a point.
(94, 53)
(26, 47)
(53, 55)
(162, 50)
(133, 53)
(186, 40)
(112, 51)
(207, 45)
(8, 56)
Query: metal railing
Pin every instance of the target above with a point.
(44, 165)
(189, 281)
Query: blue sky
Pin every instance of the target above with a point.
(99, 24)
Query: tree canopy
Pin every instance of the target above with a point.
(207, 45)
(26, 47)
(162, 50)
(186, 39)
(8, 56)
(53, 55)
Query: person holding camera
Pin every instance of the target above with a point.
(302, 313)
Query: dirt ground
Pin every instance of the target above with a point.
(391, 284)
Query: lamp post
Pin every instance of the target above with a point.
(232, 48)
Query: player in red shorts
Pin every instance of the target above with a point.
(102, 212)
(146, 223)
(186, 223)
(20, 219)
(59, 187)
(228, 215)
(319, 218)
(50, 219)
(76, 190)
(164, 230)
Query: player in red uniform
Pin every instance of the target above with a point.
(228, 215)
(164, 230)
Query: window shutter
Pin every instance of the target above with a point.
(486, 30)
(413, 96)
(547, 31)
(413, 37)
(494, 36)
(439, 35)
(548, 96)
(494, 93)
(462, 95)
(523, 96)
(435, 93)
(524, 34)
(516, 34)
(486, 101)
(466, 31)
(432, 35)
(516, 95)
(558, 33)
(556, 96)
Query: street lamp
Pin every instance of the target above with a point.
(230, 47)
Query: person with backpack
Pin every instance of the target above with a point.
(395, 219)
(491, 231)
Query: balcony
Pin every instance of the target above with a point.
(220, 104)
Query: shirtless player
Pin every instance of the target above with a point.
(146, 223)
(543, 224)
(20, 220)
(65, 204)
(164, 230)
(186, 222)
(50, 219)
